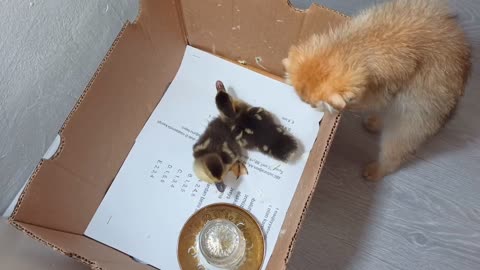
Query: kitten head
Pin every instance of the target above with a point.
(322, 77)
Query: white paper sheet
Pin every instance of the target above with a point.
(156, 191)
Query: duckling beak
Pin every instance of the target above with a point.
(220, 186)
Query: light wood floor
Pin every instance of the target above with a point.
(426, 216)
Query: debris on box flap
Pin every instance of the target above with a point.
(259, 60)
(242, 62)
(272, 20)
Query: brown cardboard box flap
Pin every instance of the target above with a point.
(301, 199)
(256, 32)
(81, 248)
(64, 192)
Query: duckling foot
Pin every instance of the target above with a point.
(239, 169)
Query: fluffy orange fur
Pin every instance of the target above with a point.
(325, 80)
(405, 61)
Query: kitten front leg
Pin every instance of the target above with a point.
(393, 152)
(388, 162)
(401, 136)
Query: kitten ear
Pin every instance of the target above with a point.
(286, 63)
(293, 55)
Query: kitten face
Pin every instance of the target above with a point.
(322, 80)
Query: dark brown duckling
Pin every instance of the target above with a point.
(238, 128)
(255, 127)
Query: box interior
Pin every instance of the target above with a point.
(64, 192)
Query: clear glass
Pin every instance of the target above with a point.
(222, 243)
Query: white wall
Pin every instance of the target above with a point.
(49, 50)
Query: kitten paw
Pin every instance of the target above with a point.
(372, 124)
(373, 172)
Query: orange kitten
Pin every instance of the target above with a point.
(406, 62)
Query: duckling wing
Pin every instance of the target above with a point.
(263, 132)
(218, 139)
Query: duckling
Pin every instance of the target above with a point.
(238, 128)
(216, 153)
(255, 127)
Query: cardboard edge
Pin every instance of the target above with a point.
(139, 12)
(312, 191)
(179, 9)
(93, 265)
(67, 120)
(90, 83)
(315, 5)
(11, 219)
(182, 22)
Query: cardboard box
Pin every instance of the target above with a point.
(64, 192)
